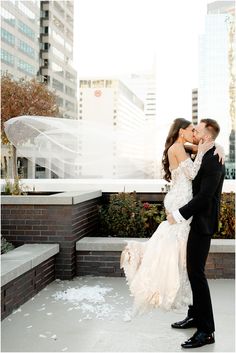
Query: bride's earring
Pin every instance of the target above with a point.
(182, 135)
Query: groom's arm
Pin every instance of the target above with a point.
(211, 176)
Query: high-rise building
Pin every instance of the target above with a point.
(115, 118)
(56, 53)
(144, 86)
(37, 41)
(20, 38)
(216, 90)
(195, 106)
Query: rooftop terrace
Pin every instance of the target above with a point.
(92, 314)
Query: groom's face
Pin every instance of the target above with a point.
(200, 133)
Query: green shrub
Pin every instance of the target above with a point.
(126, 216)
(5, 245)
(227, 217)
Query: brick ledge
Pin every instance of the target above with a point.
(22, 259)
(117, 244)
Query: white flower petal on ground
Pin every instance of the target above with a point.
(91, 299)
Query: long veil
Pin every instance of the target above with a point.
(78, 149)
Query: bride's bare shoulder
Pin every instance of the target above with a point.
(176, 148)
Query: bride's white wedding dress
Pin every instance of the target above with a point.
(156, 269)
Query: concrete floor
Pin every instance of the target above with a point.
(45, 324)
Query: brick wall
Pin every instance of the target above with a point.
(24, 287)
(220, 265)
(107, 263)
(63, 224)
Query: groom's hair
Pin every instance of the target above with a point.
(212, 126)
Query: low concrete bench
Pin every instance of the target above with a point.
(24, 272)
(100, 256)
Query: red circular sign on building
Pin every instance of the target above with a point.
(98, 93)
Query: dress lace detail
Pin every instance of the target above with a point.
(156, 269)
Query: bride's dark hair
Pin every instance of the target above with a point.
(171, 138)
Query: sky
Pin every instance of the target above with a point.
(117, 37)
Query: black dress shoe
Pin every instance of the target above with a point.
(199, 339)
(186, 323)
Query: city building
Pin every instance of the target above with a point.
(216, 89)
(143, 84)
(37, 41)
(195, 106)
(113, 117)
(56, 53)
(20, 38)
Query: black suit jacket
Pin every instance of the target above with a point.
(207, 188)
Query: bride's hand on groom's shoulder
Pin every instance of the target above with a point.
(221, 153)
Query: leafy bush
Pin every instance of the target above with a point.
(227, 217)
(126, 216)
(5, 246)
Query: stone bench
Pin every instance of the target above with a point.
(100, 256)
(24, 272)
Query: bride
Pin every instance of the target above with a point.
(156, 269)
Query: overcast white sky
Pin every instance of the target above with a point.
(114, 37)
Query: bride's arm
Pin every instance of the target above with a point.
(193, 149)
(189, 167)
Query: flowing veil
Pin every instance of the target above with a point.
(67, 146)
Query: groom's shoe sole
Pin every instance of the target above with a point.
(186, 323)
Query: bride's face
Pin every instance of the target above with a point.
(188, 133)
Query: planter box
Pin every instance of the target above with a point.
(101, 257)
(61, 218)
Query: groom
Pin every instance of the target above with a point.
(204, 207)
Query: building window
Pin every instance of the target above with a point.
(7, 58)
(70, 77)
(8, 17)
(70, 91)
(25, 48)
(108, 83)
(57, 69)
(26, 11)
(69, 34)
(58, 23)
(59, 9)
(58, 53)
(98, 84)
(70, 6)
(26, 68)
(70, 105)
(26, 30)
(57, 85)
(58, 37)
(7, 37)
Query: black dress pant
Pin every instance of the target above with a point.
(197, 251)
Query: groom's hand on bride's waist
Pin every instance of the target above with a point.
(175, 217)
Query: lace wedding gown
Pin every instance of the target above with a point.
(156, 269)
